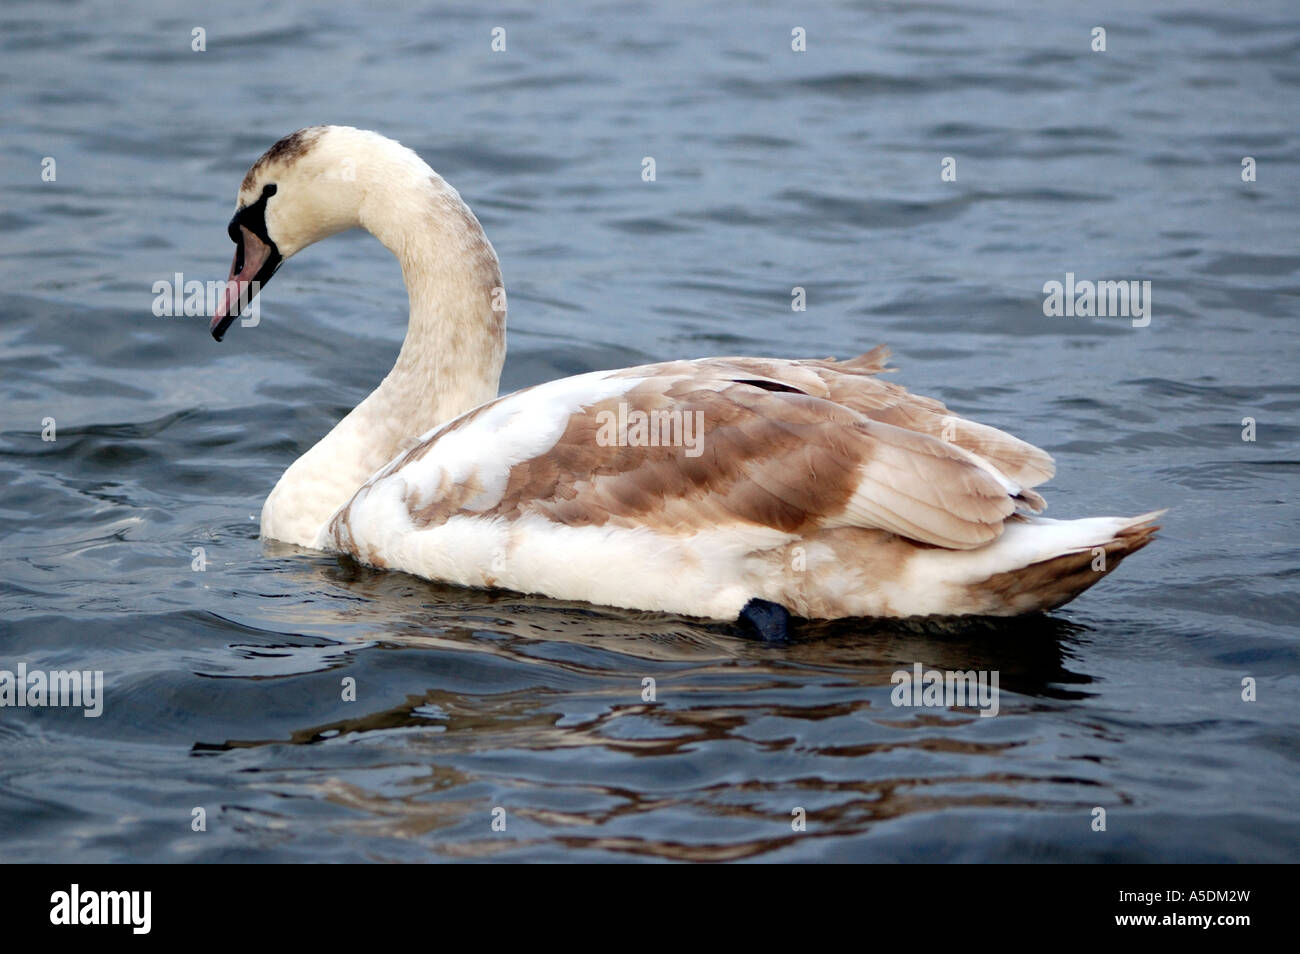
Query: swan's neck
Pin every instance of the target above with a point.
(450, 361)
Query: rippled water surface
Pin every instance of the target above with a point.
(774, 169)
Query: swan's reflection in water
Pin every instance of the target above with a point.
(604, 730)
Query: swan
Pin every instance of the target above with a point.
(722, 488)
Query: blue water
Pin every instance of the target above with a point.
(773, 169)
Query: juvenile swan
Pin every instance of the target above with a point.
(713, 487)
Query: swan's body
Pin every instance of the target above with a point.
(691, 486)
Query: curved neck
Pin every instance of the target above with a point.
(455, 346)
(450, 361)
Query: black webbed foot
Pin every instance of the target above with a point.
(768, 621)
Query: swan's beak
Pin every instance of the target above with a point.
(255, 262)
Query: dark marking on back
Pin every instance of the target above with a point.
(772, 386)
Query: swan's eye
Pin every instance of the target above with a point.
(269, 190)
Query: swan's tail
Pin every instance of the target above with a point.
(1056, 560)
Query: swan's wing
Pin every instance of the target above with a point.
(854, 385)
(695, 445)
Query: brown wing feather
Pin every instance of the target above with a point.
(780, 459)
(798, 446)
(853, 384)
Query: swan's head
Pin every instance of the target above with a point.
(304, 188)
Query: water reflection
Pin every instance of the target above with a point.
(811, 721)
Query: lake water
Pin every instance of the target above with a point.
(774, 169)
